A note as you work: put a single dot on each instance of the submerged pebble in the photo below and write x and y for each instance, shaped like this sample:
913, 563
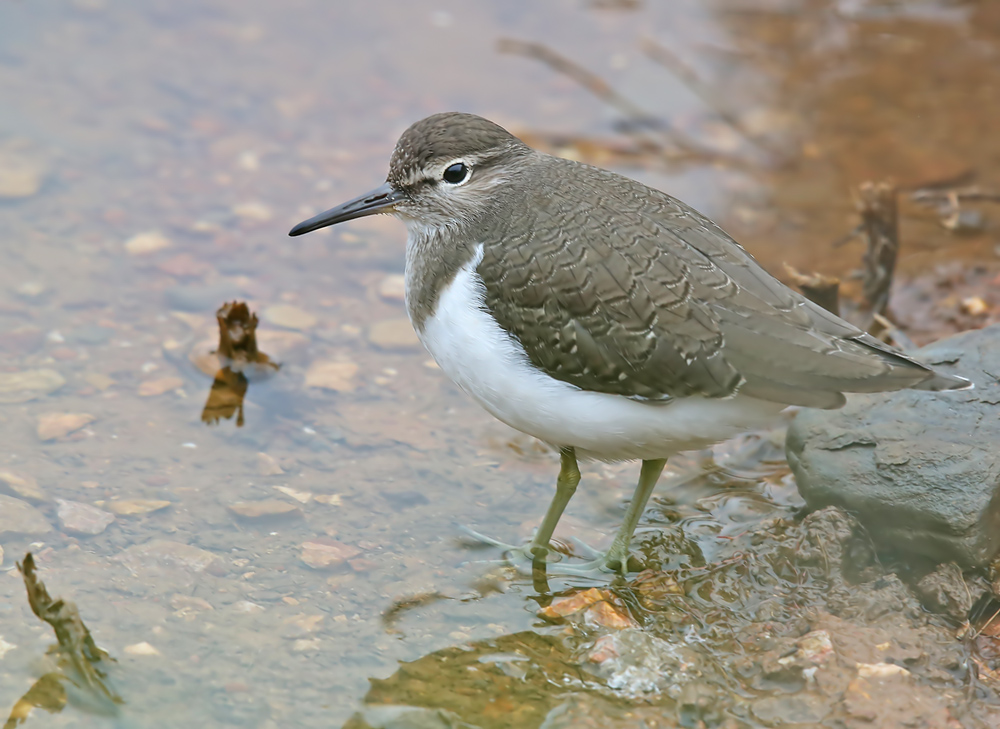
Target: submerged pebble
135, 507
58, 425
28, 384
20, 517
322, 553
263, 509
24, 486
76, 517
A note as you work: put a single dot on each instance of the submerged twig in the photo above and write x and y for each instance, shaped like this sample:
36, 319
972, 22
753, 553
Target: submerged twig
80, 676
656, 131
895, 336
669, 60
75, 641
876, 203
947, 203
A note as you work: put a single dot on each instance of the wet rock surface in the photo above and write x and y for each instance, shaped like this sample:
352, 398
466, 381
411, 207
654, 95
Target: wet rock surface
920, 469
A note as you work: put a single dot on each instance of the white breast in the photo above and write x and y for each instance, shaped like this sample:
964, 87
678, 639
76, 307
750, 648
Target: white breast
490, 365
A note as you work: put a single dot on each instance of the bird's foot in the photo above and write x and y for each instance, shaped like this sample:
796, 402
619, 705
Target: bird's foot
556, 560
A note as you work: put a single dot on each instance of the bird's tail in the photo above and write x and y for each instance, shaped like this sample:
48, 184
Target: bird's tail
942, 381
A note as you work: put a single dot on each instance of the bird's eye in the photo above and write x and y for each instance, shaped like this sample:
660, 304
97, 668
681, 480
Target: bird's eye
456, 174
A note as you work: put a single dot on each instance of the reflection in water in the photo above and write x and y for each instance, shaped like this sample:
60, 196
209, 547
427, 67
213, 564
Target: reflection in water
749, 617
79, 674
241, 363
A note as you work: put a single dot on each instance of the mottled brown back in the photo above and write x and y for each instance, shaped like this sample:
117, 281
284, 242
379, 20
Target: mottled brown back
615, 287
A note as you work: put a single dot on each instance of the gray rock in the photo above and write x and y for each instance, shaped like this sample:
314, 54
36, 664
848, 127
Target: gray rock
944, 591
20, 517
78, 518
921, 470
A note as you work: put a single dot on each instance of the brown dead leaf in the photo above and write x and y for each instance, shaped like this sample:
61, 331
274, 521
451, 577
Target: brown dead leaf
573, 604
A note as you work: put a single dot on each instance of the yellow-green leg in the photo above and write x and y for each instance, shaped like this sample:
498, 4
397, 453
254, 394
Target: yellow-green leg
569, 479
534, 554
617, 556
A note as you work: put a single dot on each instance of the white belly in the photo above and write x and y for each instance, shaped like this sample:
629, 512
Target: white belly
490, 365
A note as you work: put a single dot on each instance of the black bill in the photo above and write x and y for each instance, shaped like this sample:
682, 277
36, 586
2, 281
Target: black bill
379, 200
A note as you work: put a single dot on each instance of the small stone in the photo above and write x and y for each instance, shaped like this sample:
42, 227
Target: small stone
336, 376
305, 623
393, 287
4, 647
944, 591
328, 499
289, 317
20, 517
393, 334
304, 645
134, 507
166, 553
141, 649
815, 647
28, 384
190, 603
151, 388
605, 615
324, 553
24, 486
975, 306
245, 606
880, 670
263, 509
268, 465
58, 425
145, 243
75, 517
303, 497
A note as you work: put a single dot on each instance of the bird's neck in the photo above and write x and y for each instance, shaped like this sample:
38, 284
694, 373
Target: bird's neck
433, 257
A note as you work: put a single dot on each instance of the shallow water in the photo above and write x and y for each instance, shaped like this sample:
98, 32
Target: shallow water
152, 158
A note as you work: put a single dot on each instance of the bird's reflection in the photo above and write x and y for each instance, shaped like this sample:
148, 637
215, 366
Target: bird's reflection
241, 363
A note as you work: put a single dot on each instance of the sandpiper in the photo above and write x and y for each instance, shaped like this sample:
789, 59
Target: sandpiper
600, 315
